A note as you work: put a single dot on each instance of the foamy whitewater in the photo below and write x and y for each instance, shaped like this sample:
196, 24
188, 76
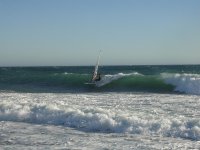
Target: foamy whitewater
45, 108
99, 121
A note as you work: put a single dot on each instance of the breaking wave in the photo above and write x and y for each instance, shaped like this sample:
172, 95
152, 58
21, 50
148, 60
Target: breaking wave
165, 82
109, 78
187, 83
99, 120
135, 81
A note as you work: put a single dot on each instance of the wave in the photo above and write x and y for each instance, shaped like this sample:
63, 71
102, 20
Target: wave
109, 78
99, 120
135, 81
187, 83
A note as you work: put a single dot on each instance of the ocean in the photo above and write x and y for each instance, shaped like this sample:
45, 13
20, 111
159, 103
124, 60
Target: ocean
132, 107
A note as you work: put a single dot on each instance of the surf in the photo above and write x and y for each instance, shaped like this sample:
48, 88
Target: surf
115, 79
66, 110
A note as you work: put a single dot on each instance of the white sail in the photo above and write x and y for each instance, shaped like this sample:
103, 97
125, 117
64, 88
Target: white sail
96, 68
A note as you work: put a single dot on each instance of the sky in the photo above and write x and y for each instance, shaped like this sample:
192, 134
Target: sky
71, 32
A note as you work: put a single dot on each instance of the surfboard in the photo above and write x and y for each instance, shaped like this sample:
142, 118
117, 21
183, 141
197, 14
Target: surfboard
90, 83
95, 71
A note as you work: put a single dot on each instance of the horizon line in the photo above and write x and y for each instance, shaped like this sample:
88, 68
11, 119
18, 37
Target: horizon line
100, 65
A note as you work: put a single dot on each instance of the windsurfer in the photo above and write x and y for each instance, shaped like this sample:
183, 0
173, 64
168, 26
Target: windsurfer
98, 77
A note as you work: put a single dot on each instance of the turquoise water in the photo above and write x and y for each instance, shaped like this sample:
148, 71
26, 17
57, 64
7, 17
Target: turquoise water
132, 107
161, 79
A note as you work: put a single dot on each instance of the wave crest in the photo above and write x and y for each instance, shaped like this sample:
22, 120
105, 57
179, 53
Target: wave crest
125, 82
187, 83
109, 78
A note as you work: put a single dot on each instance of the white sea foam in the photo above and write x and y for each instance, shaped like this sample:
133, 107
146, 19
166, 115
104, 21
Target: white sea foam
67, 73
106, 79
97, 119
187, 83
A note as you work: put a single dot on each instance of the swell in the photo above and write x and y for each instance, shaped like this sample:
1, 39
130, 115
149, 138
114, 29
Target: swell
40, 78
161, 83
135, 82
75, 81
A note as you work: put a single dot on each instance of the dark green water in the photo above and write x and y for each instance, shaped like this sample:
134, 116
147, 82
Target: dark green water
160, 79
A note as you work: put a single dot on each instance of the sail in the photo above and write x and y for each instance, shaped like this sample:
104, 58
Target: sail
96, 68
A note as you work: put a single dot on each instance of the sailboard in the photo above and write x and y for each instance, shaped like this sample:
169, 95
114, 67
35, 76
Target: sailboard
95, 73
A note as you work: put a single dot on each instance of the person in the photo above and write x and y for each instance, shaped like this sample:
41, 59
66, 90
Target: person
98, 78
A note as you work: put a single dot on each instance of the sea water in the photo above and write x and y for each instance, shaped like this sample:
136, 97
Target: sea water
132, 107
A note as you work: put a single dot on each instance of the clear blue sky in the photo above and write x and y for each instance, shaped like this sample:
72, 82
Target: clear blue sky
71, 32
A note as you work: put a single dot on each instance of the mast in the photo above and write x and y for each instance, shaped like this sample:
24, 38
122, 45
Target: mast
96, 67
